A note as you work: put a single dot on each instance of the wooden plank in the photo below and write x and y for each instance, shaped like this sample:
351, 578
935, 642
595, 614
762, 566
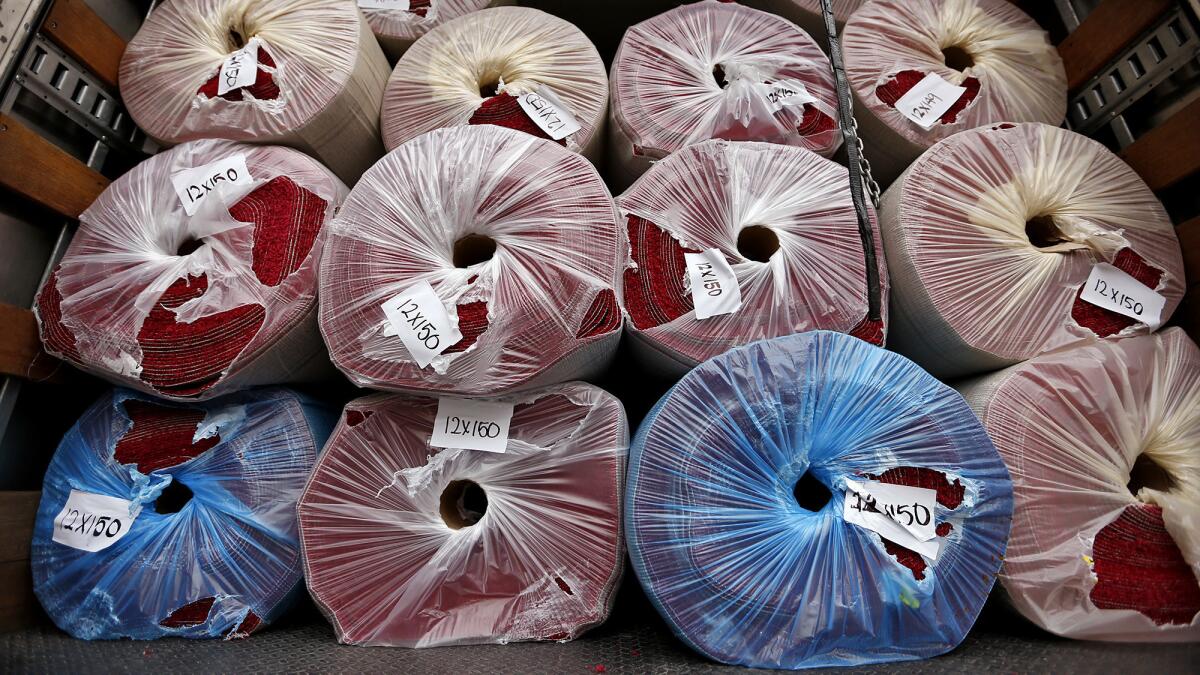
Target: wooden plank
17, 512
75, 28
37, 169
1169, 152
1104, 34
18, 605
21, 353
1189, 241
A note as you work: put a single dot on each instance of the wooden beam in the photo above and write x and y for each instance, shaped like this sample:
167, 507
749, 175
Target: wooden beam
17, 512
18, 605
40, 171
75, 28
1104, 34
1169, 152
21, 353
1189, 241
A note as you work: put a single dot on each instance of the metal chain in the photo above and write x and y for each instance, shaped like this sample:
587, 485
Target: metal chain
868, 179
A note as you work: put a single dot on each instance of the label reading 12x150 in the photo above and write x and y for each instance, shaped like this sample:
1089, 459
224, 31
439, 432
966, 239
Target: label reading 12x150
92, 522
420, 319
549, 113
714, 285
1111, 288
898, 513
240, 69
473, 425
196, 184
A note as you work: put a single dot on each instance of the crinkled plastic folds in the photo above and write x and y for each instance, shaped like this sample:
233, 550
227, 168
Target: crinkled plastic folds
807, 13
890, 45
667, 86
744, 574
237, 309
542, 309
1081, 430
441, 81
973, 291
542, 560
397, 29
225, 564
714, 194
319, 85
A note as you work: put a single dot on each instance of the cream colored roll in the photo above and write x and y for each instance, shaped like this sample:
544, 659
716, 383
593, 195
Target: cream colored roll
398, 24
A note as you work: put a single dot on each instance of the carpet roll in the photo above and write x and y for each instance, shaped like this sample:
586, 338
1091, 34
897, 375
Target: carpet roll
318, 77
717, 70
161, 520
1101, 443
749, 507
782, 219
807, 13
474, 260
993, 234
513, 67
193, 305
415, 545
397, 27
1001, 59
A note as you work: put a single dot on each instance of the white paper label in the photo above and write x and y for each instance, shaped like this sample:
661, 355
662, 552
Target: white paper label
549, 113
1113, 289
788, 93
92, 522
397, 5
419, 318
714, 285
473, 425
193, 185
239, 70
898, 513
926, 102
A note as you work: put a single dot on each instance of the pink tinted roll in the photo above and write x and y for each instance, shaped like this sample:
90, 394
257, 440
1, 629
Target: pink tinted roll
397, 29
807, 13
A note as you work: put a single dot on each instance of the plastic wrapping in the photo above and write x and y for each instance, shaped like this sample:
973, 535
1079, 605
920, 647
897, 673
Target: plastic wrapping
717, 70
782, 216
410, 545
472, 70
724, 518
318, 87
1002, 57
397, 29
1101, 442
992, 233
195, 306
807, 13
517, 237
212, 548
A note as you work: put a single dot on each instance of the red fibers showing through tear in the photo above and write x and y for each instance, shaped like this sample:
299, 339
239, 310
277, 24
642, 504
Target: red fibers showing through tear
943, 529
161, 436
870, 331
1105, 322
654, 292
420, 7
287, 219
949, 495
54, 334
248, 625
192, 614
603, 317
503, 110
472, 322
263, 89
1138, 566
357, 417
889, 92
814, 122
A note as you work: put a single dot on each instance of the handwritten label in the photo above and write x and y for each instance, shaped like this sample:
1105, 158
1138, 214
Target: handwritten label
419, 318
397, 5
898, 513
239, 69
193, 185
473, 425
1112, 289
926, 102
549, 113
788, 93
714, 285
92, 522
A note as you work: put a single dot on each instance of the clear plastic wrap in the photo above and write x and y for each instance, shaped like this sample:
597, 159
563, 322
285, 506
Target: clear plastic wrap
991, 234
784, 219
517, 237
472, 70
725, 522
1011, 72
410, 545
807, 13
319, 78
200, 537
397, 29
191, 307
717, 70
1101, 442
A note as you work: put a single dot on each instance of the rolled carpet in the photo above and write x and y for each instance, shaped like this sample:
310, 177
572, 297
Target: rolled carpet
807, 13
161, 520
1101, 443
1000, 58
190, 306
408, 544
318, 77
474, 260
398, 25
513, 67
783, 220
749, 488
992, 235
717, 70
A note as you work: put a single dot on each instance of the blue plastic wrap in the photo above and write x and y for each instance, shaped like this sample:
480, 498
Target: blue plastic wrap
744, 574
224, 563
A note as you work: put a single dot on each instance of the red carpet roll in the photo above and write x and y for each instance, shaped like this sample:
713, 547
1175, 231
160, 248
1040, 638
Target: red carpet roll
192, 306
807, 13
408, 544
783, 220
474, 260
397, 29
1101, 444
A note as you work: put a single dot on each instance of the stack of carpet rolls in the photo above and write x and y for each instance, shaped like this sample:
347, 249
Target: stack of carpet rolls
398, 24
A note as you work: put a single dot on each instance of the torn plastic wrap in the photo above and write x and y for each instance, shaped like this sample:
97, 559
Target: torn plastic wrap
160, 520
318, 81
194, 306
407, 544
398, 25
717, 70
783, 220
498, 253
501, 66
1001, 58
992, 235
807, 13
738, 502
1101, 442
